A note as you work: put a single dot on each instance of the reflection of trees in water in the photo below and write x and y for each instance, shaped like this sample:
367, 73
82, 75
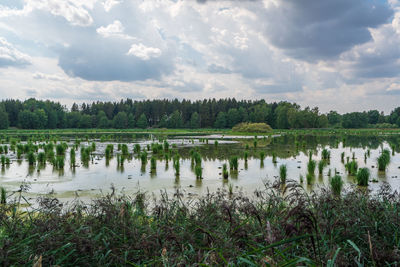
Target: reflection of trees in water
288, 146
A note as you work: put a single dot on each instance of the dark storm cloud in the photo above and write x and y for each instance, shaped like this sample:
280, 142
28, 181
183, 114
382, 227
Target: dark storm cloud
315, 29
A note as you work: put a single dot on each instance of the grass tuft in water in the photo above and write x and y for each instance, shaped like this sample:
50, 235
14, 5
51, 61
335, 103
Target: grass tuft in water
336, 184
283, 173
362, 177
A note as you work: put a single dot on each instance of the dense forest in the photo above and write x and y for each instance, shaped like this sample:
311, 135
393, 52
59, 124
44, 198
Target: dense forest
207, 113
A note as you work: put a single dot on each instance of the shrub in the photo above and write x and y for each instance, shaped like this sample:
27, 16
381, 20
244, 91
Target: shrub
252, 127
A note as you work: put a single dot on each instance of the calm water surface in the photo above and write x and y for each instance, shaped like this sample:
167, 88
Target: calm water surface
99, 176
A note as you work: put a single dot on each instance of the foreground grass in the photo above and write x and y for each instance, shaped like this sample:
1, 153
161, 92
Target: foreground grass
268, 229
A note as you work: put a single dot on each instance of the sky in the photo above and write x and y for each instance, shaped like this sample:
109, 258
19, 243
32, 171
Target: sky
339, 55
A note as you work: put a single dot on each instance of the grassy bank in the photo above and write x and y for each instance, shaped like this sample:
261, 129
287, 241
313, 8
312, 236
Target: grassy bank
267, 229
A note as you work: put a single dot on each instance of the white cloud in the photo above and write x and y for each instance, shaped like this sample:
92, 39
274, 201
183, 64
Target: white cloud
109, 4
10, 56
75, 12
143, 52
50, 77
116, 29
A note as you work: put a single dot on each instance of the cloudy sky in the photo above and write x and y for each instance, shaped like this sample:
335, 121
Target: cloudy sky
334, 54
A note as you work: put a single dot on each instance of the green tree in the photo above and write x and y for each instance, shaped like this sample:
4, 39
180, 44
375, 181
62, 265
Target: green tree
232, 117
163, 122
334, 118
281, 116
373, 116
323, 121
120, 120
85, 122
220, 122
27, 119
175, 121
4, 123
142, 122
103, 123
195, 121
40, 121
131, 121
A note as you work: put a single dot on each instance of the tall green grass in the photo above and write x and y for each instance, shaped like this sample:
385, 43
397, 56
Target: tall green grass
384, 160
362, 177
233, 163
311, 166
283, 173
336, 184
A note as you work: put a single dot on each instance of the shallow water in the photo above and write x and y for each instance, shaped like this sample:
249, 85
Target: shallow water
99, 176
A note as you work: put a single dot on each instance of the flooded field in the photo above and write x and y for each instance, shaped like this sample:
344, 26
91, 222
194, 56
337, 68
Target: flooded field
192, 163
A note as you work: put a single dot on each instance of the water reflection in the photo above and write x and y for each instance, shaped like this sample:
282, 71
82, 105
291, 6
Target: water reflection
255, 163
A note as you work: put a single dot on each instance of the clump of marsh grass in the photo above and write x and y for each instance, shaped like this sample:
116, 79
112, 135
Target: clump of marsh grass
136, 148
311, 166
59, 162
362, 177
124, 150
153, 164
384, 160
72, 157
31, 158
177, 165
41, 158
274, 161
352, 167
3, 160
233, 163
198, 171
321, 166
325, 154
143, 157
225, 173
310, 178
336, 184
283, 173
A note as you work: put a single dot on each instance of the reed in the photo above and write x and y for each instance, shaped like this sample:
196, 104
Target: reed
311, 166
283, 173
233, 163
336, 184
362, 177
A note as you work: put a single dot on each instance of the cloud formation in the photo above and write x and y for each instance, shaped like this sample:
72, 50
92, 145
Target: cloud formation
314, 30
11, 57
312, 52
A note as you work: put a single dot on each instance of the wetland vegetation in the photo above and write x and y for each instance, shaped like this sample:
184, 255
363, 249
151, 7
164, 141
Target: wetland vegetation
250, 195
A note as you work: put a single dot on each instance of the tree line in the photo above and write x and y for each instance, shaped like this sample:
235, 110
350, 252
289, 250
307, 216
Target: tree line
207, 113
